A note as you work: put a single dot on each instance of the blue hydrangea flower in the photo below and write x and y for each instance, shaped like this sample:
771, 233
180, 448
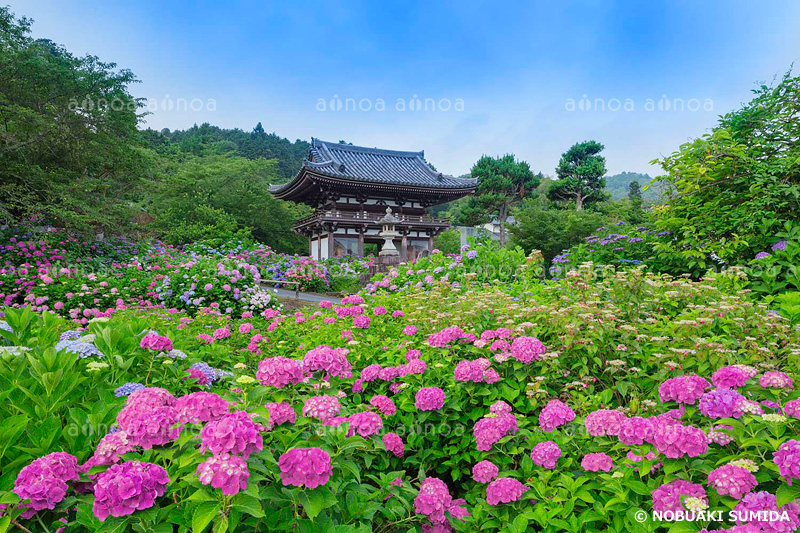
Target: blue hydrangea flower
70, 335
80, 348
127, 389
176, 354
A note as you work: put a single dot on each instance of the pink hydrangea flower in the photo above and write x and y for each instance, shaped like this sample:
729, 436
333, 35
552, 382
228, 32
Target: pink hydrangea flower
444, 337
371, 373
792, 408
279, 371
504, 490
667, 497
224, 471
412, 354
384, 404
787, 458
683, 389
394, 444
332, 361
732, 480
222, 333
429, 399
723, 438
604, 422
234, 433
155, 342
410, 330
730, 377
546, 454
109, 450
676, 440
44, 481
484, 472
468, 371
489, 430
636, 431
361, 322
556, 413
500, 408
490, 376
389, 373
775, 380
280, 413
415, 366
594, 462
155, 427
201, 407
321, 407
365, 423
433, 500
305, 467
527, 349
143, 401
721, 403
128, 487
755, 502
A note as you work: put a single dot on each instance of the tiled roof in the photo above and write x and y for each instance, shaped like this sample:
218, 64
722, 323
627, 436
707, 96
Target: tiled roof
375, 165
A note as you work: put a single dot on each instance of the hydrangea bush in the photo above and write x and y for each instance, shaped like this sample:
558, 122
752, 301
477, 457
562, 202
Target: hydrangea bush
459, 405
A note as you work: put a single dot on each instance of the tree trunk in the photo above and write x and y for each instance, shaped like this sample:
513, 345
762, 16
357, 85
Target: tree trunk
578, 202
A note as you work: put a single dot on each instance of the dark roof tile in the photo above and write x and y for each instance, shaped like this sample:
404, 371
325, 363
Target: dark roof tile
376, 165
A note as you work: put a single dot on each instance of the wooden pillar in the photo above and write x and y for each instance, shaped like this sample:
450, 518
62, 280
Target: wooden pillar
404, 247
330, 242
361, 242
310, 247
430, 241
319, 245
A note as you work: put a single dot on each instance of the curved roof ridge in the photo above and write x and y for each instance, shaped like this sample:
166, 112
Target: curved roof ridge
361, 165
365, 149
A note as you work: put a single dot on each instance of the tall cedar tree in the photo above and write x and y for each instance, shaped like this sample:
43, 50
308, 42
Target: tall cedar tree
502, 182
580, 175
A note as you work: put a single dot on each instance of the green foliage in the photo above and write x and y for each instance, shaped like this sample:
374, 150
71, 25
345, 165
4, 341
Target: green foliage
68, 128
448, 242
619, 184
206, 139
580, 174
552, 230
609, 344
502, 183
730, 190
216, 196
776, 270
72, 156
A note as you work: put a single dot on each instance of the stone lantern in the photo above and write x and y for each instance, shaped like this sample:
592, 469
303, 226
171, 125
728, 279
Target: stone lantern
388, 234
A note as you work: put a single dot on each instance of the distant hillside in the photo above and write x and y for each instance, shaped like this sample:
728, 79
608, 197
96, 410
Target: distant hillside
617, 185
207, 140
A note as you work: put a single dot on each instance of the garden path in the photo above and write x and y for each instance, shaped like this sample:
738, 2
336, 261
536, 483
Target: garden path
284, 294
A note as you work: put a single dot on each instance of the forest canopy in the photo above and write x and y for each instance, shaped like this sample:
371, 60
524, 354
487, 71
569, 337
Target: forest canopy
73, 155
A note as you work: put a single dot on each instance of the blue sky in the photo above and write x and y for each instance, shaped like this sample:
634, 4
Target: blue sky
514, 66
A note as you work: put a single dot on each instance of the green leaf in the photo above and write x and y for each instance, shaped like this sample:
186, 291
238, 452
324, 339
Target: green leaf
203, 516
201, 496
317, 500
11, 428
786, 494
638, 487
520, 524
248, 504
